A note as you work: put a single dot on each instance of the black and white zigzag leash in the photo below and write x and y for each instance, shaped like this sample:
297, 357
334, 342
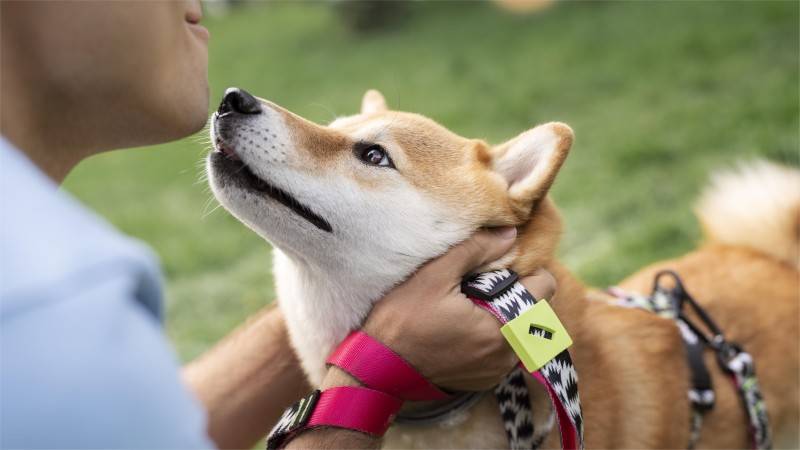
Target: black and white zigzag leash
506, 298
668, 303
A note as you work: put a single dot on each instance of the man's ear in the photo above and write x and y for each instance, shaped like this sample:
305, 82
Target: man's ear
530, 161
373, 102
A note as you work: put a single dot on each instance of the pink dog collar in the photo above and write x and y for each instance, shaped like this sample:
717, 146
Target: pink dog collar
355, 408
380, 368
348, 407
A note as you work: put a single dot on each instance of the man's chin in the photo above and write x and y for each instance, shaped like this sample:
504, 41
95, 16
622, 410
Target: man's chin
197, 113
189, 113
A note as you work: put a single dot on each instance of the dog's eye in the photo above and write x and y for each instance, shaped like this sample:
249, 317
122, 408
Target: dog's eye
375, 155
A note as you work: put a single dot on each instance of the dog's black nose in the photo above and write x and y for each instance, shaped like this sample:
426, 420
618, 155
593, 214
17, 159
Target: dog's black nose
240, 101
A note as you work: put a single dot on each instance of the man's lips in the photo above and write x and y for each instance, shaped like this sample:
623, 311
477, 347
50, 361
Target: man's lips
193, 18
199, 30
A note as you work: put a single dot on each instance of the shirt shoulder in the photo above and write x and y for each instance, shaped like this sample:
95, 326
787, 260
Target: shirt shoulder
52, 245
94, 371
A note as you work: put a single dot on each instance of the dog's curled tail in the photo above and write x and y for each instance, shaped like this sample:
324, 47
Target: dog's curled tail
756, 206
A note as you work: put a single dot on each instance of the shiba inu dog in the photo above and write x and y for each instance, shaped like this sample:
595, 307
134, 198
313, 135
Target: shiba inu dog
355, 207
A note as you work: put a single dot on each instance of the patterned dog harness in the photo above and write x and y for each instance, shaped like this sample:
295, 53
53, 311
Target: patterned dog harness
669, 303
530, 324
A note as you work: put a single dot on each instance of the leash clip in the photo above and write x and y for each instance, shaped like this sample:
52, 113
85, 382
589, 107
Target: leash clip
727, 353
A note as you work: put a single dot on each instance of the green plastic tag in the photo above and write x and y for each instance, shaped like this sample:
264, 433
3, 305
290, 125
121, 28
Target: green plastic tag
537, 336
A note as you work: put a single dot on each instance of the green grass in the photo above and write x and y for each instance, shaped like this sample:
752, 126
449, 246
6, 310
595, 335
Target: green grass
658, 94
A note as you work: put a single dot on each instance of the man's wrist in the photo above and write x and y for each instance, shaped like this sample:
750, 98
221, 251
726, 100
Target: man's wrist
382, 332
392, 338
338, 377
380, 368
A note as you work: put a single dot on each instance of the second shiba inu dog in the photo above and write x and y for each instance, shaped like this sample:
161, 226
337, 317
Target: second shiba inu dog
355, 207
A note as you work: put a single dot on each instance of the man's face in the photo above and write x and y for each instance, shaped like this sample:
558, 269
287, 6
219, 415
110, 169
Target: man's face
137, 68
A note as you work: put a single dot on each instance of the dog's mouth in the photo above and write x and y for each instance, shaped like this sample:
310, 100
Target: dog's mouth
238, 171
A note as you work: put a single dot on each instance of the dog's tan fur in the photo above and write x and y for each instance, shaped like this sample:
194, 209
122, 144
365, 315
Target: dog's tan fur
633, 373
632, 367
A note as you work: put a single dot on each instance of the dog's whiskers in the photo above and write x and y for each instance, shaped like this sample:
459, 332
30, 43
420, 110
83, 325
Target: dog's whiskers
327, 109
204, 216
202, 174
209, 202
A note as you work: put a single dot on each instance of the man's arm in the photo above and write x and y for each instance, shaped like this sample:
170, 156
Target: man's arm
247, 380
321, 438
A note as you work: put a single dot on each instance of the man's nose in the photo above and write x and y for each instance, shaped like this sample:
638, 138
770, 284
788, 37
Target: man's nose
240, 101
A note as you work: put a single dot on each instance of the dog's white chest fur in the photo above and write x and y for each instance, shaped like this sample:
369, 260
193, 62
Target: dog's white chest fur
321, 308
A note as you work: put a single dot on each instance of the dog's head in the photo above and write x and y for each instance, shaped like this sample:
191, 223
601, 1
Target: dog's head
381, 192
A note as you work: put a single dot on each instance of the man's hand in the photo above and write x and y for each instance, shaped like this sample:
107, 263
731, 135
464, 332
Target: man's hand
429, 322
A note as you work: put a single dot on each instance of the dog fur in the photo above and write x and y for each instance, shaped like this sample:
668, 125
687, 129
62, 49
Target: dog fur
387, 222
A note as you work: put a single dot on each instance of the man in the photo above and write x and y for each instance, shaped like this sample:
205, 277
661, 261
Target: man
84, 359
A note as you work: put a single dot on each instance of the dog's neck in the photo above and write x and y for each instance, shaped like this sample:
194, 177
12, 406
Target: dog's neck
321, 307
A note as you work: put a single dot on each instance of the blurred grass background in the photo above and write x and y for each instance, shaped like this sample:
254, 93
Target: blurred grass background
658, 93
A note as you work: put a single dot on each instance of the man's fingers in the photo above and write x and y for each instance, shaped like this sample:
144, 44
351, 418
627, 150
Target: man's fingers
482, 247
541, 284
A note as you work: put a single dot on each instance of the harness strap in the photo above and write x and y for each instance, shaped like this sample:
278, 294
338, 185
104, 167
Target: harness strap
731, 358
739, 364
501, 293
669, 303
701, 391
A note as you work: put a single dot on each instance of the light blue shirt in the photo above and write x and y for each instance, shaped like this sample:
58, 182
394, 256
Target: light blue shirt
84, 362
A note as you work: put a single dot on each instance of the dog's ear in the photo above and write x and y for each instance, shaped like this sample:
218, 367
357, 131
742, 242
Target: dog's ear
530, 161
373, 102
